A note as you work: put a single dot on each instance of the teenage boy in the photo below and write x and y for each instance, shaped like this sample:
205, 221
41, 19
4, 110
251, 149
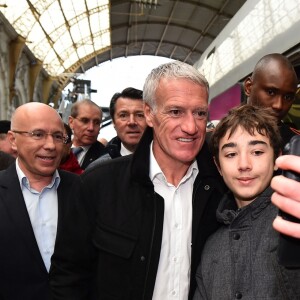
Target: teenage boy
239, 261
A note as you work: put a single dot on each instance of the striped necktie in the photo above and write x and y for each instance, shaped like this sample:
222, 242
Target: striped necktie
77, 150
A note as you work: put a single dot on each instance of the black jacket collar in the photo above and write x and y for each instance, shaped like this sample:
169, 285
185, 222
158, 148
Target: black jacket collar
141, 159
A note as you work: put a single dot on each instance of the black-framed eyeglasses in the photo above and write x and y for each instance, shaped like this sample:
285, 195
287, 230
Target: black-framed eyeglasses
39, 135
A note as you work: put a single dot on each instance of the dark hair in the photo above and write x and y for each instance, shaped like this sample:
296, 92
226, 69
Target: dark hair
69, 133
273, 57
251, 118
5, 160
4, 126
130, 92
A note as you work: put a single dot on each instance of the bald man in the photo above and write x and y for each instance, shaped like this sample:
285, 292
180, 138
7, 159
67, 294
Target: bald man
34, 201
273, 83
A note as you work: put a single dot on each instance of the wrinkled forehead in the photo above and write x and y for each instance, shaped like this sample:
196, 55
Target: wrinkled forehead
89, 111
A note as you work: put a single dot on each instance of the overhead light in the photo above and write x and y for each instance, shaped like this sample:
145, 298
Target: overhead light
147, 3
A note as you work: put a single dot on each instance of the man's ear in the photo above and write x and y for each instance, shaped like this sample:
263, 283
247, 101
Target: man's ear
217, 165
12, 140
148, 112
248, 86
71, 122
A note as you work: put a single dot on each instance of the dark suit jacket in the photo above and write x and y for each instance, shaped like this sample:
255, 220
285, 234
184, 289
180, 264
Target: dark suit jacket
23, 275
127, 219
96, 150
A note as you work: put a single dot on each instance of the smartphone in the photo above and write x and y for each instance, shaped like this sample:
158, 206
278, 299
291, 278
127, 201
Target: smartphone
289, 248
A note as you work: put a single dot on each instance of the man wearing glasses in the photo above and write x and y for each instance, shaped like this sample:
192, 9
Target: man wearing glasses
35, 200
85, 121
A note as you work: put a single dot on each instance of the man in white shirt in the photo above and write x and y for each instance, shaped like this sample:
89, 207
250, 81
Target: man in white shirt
127, 112
33, 195
152, 211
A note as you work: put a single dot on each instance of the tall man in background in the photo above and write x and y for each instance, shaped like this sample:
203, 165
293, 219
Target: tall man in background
273, 83
85, 121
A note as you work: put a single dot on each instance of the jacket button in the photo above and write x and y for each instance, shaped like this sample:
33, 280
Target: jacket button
207, 187
236, 236
143, 258
238, 295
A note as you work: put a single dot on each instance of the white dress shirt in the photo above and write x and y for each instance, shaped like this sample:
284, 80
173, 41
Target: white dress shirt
124, 151
174, 268
42, 209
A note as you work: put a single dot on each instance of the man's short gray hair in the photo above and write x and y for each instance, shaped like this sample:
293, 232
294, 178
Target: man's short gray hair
172, 70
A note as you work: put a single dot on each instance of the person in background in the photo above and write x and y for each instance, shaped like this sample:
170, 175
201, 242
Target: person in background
5, 145
85, 121
35, 201
286, 195
5, 160
69, 161
152, 211
103, 140
239, 261
273, 83
126, 111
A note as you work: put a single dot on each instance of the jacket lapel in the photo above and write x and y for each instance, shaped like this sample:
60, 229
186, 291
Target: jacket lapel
12, 198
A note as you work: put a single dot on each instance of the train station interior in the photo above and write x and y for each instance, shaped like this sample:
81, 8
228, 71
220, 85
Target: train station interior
46, 44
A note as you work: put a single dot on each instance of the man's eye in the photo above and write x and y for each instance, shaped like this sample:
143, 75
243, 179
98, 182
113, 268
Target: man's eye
58, 136
201, 114
271, 92
140, 116
123, 115
38, 134
96, 122
289, 97
175, 112
85, 120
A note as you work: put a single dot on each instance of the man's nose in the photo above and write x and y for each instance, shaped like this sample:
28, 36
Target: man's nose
189, 124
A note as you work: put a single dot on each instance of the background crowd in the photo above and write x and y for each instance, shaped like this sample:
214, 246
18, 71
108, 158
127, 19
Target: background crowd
146, 215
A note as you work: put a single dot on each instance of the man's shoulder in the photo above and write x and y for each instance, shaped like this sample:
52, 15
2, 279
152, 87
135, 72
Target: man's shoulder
97, 145
287, 132
295, 131
109, 167
68, 177
8, 173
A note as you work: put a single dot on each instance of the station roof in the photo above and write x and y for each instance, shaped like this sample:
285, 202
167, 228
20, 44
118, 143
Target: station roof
72, 36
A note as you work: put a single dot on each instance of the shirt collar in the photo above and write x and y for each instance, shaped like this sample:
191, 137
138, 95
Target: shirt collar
25, 182
124, 151
155, 169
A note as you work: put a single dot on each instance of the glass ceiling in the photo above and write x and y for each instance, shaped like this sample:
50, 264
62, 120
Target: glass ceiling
61, 32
